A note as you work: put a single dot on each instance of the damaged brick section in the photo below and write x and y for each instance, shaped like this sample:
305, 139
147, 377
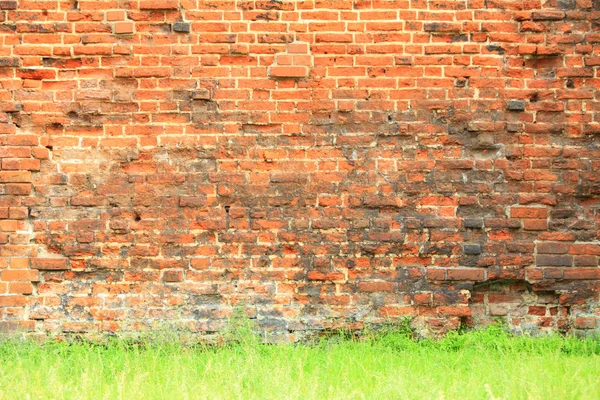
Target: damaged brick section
321, 164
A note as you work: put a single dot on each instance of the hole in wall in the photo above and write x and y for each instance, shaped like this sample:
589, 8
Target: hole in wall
570, 84
534, 98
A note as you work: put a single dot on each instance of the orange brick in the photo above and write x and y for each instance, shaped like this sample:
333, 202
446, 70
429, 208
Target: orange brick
19, 275
159, 4
15, 176
124, 28
20, 288
288, 72
13, 301
284, 59
52, 264
19, 263
302, 60
115, 15
298, 48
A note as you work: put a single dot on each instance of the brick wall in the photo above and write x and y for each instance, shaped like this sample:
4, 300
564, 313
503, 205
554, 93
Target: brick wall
323, 164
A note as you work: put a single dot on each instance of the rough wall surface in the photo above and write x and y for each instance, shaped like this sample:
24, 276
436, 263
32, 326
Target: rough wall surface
323, 164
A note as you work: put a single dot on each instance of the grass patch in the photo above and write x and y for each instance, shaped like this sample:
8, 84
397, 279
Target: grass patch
484, 364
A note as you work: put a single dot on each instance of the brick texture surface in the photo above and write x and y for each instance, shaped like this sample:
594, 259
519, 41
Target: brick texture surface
322, 164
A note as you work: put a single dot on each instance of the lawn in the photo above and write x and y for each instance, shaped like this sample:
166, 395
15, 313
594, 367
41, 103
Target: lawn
487, 364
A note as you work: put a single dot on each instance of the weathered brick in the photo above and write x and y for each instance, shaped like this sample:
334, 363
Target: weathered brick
182, 27
10, 62
586, 322
516, 105
551, 248
173, 276
472, 249
51, 264
528, 212
201, 94
466, 274
422, 298
326, 276
547, 15
376, 286
554, 260
582, 273
535, 225
441, 27
8, 5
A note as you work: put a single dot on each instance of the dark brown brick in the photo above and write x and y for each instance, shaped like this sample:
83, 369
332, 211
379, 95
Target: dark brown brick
554, 260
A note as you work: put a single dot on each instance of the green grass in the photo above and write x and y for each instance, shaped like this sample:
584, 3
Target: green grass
481, 364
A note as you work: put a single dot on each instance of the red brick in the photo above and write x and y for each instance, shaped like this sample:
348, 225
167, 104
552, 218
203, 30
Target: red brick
326, 276
586, 323
460, 311
376, 286
582, 261
537, 310
529, 212
535, 225
436, 274
465, 274
547, 15
582, 273
422, 298
585, 248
